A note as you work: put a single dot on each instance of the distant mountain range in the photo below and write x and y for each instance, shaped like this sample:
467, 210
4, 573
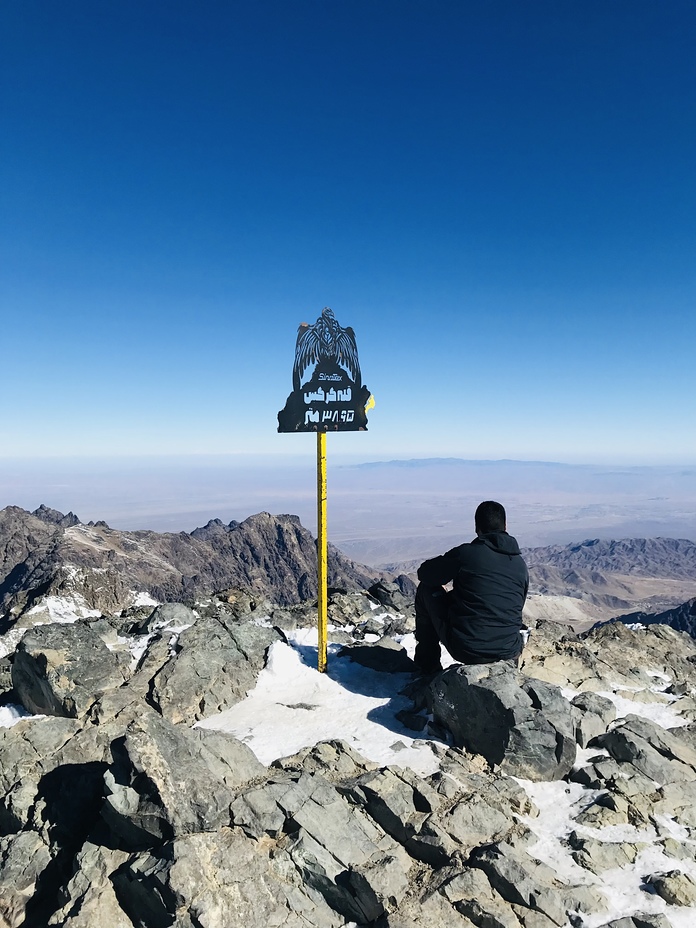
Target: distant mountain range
47, 557
48, 554
643, 557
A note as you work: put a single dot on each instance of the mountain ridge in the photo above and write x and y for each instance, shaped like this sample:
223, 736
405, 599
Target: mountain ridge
45, 553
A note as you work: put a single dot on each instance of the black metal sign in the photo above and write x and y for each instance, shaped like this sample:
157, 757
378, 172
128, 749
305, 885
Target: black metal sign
327, 390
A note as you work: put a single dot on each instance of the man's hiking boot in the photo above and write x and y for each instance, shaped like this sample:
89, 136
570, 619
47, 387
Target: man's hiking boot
427, 668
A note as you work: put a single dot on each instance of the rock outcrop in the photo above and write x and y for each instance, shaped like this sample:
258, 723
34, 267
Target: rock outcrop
682, 618
520, 724
47, 559
116, 810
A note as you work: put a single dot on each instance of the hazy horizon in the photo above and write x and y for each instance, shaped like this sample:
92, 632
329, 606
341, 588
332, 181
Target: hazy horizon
379, 511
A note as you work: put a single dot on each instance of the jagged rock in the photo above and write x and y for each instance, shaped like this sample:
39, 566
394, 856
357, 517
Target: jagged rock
89, 898
174, 614
334, 759
675, 887
521, 724
166, 781
471, 893
219, 878
5, 678
28, 752
675, 799
51, 787
593, 715
62, 669
397, 596
23, 858
651, 921
53, 516
502, 792
533, 919
682, 618
655, 752
429, 907
521, 880
398, 800
338, 849
598, 856
348, 608
213, 666
678, 849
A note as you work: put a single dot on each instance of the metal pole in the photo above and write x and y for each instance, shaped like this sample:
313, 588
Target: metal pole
322, 549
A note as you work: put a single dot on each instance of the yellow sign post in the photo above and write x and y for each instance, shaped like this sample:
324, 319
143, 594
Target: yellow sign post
322, 550
328, 395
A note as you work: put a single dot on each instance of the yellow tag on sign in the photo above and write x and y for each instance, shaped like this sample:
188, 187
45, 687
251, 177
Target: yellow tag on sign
370, 404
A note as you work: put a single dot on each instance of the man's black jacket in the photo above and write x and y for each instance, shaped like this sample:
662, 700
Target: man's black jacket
489, 590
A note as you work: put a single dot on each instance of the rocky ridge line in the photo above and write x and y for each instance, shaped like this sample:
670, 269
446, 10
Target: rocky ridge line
46, 554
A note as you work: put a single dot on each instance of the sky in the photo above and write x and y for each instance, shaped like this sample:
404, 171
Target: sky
499, 198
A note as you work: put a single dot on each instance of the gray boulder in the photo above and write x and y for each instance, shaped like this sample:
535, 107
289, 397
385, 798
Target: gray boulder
172, 614
593, 714
89, 898
335, 846
675, 887
471, 894
220, 878
23, 859
212, 667
166, 781
334, 759
659, 754
521, 724
63, 669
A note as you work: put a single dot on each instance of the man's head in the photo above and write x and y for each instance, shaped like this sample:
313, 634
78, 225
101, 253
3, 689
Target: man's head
489, 517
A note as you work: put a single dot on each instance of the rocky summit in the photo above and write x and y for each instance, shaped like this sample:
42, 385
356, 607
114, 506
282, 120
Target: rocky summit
52, 563
560, 793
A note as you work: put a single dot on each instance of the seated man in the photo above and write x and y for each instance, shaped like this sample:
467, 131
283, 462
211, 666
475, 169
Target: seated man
480, 620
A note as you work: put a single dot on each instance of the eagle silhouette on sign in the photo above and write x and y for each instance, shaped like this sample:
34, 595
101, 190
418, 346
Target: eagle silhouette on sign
326, 340
328, 394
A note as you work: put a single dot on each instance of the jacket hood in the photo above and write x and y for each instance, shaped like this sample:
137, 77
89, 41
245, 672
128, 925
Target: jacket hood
499, 541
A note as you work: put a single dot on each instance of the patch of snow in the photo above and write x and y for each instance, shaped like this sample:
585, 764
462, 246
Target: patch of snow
10, 640
670, 825
144, 599
64, 609
666, 716
558, 803
659, 675
137, 645
11, 714
293, 706
626, 893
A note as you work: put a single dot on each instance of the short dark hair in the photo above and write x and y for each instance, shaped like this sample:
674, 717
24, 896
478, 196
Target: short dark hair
490, 517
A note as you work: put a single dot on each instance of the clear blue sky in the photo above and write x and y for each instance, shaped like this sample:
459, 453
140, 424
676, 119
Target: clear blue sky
499, 197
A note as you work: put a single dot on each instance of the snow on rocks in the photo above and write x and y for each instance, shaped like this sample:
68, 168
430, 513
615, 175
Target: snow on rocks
218, 779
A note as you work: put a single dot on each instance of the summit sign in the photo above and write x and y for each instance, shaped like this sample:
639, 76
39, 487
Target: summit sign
328, 394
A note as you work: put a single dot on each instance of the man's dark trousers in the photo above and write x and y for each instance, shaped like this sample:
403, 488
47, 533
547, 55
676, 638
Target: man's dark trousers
433, 628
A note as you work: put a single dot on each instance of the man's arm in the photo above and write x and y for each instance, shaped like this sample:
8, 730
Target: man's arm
439, 570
